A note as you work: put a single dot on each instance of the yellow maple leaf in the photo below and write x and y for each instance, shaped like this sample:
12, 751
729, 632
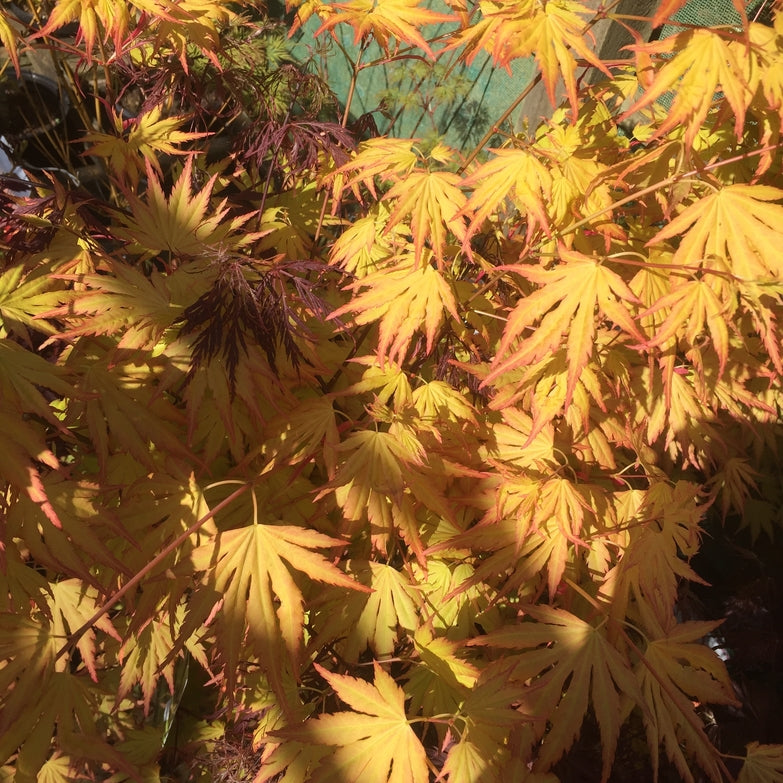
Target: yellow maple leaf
692, 307
137, 142
98, 19
375, 619
389, 159
251, 568
186, 223
187, 23
72, 603
703, 61
552, 32
364, 243
373, 742
405, 297
517, 175
9, 39
676, 670
565, 304
763, 764
569, 665
431, 201
384, 19
662, 526
738, 223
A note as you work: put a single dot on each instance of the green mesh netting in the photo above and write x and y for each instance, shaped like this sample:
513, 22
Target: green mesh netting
412, 97
714, 13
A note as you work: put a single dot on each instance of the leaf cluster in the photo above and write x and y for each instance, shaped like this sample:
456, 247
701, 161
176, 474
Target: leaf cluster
390, 457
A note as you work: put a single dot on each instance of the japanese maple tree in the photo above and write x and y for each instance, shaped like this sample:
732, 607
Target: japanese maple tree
372, 458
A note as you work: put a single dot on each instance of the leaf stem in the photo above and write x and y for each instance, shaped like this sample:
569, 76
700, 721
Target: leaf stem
76, 635
495, 127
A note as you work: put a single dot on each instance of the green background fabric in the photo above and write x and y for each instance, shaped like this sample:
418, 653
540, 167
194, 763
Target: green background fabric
416, 98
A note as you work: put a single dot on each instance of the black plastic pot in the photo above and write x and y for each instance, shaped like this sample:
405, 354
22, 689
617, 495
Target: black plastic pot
30, 105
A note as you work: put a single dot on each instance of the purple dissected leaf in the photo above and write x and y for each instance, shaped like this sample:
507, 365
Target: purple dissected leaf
244, 305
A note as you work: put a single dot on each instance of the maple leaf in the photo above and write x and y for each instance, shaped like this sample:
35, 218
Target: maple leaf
433, 200
440, 682
147, 135
530, 528
516, 174
763, 764
64, 538
39, 702
388, 383
122, 412
251, 568
405, 298
565, 304
665, 10
387, 158
461, 603
72, 604
149, 654
364, 243
310, 428
25, 299
139, 307
188, 23
374, 742
572, 665
673, 671
104, 18
384, 19
9, 38
737, 223
693, 306
550, 32
663, 529
438, 401
185, 223
703, 62
371, 619
467, 762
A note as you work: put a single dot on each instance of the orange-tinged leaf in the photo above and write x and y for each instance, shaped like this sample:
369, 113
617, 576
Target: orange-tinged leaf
385, 19
738, 223
703, 62
405, 297
432, 200
251, 568
691, 307
666, 9
512, 174
572, 665
390, 159
97, 18
148, 135
552, 32
663, 530
374, 743
564, 306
